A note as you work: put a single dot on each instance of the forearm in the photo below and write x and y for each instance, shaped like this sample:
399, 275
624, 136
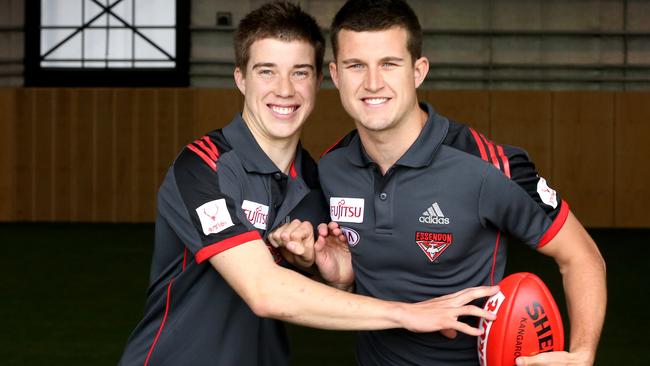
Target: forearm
293, 298
586, 295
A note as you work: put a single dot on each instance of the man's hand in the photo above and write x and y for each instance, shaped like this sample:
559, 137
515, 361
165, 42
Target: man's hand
442, 313
296, 242
557, 359
332, 256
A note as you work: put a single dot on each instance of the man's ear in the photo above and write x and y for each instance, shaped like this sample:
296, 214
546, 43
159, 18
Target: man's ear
240, 80
420, 70
334, 74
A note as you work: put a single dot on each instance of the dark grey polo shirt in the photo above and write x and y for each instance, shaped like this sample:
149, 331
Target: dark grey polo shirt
221, 191
432, 226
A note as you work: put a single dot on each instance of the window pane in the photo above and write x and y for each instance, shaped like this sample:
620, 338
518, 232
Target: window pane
149, 64
163, 38
119, 44
61, 12
70, 49
94, 44
62, 64
91, 10
155, 12
124, 10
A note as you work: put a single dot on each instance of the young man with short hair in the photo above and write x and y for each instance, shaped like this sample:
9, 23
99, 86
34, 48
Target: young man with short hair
217, 292
425, 200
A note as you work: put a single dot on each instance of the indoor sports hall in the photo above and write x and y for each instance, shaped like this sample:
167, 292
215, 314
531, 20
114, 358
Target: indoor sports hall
97, 97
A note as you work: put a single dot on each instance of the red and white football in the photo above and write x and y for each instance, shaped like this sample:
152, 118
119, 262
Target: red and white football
528, 322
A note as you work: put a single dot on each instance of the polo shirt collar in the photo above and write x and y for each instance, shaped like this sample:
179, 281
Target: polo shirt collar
421, 153
254, 159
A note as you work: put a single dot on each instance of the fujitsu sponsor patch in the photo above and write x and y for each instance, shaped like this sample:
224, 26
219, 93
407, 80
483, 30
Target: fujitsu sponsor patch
256, 213
214, 216
343, 209
433, 244
547, 194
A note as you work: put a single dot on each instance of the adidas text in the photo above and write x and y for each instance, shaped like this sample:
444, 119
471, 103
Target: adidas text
434, 220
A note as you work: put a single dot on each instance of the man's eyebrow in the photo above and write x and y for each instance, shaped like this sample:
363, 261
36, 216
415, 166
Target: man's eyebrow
263, 64
392, 58
304, 66
352, 61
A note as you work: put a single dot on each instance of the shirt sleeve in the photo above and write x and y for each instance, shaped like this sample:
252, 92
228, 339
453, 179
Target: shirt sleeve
193, 202
508, 206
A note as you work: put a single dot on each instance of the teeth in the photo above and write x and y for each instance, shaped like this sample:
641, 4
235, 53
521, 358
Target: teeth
283, 110
375, 101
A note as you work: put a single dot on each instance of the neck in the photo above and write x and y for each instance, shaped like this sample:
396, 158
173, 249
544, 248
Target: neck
281, 151
385, 147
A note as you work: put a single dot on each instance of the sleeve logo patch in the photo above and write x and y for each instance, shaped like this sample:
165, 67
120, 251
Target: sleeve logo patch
547, 194
214, 216
256, 213
346, 209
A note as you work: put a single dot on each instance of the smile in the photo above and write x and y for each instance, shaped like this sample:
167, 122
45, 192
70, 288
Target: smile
375, 101
283, 110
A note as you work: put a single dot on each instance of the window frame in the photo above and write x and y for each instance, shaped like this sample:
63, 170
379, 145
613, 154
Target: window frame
36, 76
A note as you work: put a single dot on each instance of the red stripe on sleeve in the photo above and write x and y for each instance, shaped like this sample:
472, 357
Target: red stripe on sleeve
202, 155
162, 324
206, 149
556, 226
479, 143
504, 159
494, 258
221, 246
212, 146
493, 155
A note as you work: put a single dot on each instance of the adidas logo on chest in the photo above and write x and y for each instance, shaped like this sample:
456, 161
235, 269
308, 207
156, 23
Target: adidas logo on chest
434, 215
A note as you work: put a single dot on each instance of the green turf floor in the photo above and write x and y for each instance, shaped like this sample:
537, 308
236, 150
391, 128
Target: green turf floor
71, 294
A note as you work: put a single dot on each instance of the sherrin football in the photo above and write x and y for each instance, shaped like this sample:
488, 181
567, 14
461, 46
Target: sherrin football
528, 322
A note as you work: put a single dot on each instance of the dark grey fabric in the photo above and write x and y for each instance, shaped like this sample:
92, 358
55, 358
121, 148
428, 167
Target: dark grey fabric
191, 313
429, 228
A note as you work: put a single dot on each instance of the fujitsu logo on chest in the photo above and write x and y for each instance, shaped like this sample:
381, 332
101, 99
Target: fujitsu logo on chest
256, 213
344, 209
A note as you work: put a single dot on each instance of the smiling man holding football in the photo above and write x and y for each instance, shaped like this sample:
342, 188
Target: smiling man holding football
427, 199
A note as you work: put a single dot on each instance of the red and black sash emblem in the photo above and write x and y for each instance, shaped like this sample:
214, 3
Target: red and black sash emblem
433, 244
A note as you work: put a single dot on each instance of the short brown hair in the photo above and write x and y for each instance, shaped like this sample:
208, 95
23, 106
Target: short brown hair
280, 20
377, 15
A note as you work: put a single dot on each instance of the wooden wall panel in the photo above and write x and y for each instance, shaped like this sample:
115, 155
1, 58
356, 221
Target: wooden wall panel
7, 153
144, 149
43, 148
25, 155
100, 154
524, 118
166, 127
470, 107
102, 141
215, 108
124, 159
83, 156
327, 123
583, 154
632, 156
64, 107
186, 117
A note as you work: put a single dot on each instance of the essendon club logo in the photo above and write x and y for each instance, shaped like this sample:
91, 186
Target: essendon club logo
433, 244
